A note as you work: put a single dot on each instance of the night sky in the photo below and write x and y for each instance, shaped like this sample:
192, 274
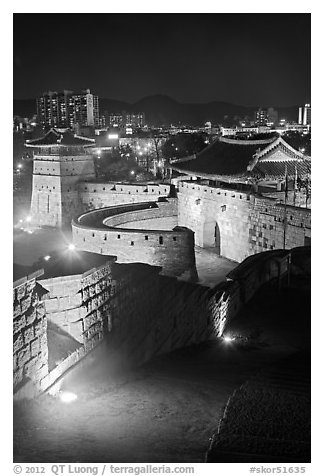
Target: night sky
248, 59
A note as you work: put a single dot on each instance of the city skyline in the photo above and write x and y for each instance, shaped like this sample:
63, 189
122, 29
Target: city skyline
245, 59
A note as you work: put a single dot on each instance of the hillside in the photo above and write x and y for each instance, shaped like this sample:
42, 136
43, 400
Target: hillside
160, 109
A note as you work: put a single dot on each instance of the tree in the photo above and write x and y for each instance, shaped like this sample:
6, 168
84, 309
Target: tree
117, 166
184, 145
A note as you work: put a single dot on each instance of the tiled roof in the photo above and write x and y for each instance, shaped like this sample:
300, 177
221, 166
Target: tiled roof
224, 157
235, 160
276, 169
53, 137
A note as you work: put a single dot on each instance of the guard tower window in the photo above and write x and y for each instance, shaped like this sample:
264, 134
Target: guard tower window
161, 240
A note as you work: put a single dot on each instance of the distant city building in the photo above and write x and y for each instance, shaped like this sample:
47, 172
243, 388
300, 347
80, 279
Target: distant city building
233, 131
272, 116
304, 115
127, 119
65, 109
261, 117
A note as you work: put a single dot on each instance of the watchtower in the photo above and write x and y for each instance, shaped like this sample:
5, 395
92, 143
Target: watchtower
61, 160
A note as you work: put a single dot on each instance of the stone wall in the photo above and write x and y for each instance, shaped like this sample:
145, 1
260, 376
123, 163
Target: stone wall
100, 195
239, 224
55, 198
172, 250
121, 304
30, 353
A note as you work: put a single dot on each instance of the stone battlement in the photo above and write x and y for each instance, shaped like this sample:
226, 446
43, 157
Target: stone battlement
238, 223
97, 231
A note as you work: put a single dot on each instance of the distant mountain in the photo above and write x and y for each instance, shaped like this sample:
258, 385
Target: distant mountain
160, 109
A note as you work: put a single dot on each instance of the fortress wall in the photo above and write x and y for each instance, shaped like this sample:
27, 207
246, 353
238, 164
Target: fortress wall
30, 353
173, 250
122, 305
55, 198
164, 209
100, 195
247, 224
96, 291
63, 306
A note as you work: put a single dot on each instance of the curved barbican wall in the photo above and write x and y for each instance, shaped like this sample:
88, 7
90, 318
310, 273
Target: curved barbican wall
95, 195
97, 231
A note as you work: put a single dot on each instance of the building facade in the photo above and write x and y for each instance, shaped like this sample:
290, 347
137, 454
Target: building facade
125, 119
304, 115
66, 109
60, 161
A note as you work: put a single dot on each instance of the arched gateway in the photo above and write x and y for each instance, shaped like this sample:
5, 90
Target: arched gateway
211, 236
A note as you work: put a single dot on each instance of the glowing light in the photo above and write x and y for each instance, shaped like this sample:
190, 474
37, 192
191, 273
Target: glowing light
228, 339
141, 153
47, 257
132, 172
112, 136
71, 247
68, 397
28, 219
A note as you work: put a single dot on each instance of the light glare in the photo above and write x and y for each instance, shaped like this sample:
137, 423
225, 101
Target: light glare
68, 397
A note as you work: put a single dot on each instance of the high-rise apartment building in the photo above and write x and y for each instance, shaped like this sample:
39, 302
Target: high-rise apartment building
261, 117
127, 119
272, 116
304, 115
66, 109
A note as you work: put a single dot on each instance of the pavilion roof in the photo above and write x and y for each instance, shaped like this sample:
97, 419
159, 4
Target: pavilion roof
57, 138
237, 160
